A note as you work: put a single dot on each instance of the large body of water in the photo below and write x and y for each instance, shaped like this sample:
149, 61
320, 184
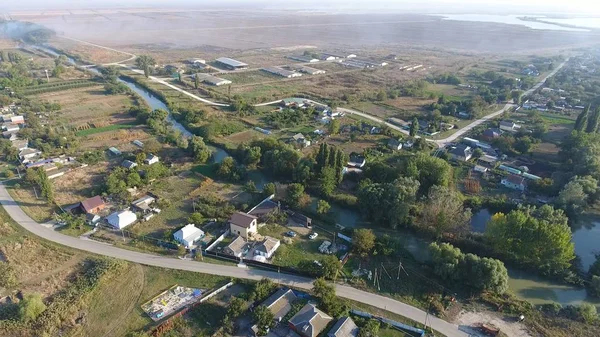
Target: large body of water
510, 20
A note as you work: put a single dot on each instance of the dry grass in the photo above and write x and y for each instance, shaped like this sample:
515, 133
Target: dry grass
89, 106
75, 185
88, 52
37, 209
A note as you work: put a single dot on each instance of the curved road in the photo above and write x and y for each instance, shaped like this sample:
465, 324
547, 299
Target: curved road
17, 214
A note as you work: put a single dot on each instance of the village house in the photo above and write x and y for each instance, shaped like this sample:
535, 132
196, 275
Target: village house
461, 152
514, 182
20, 144
267, 248
238, 247
300, 140
309, 321
11, 127
394, 144
128, 164
357, 160
242, 224
114, 151
188, 235
92, 205
121, 219
280, 303
151, 159
491, 134
143, 203
344, 327
27, 154
508, 126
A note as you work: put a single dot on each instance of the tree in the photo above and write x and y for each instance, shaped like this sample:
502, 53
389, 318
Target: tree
370, 329
481, 274
196, 81
588, 312
152, 146
269, 189
328, 300
334, 127
381, 95
264, 319
593, 121
539, 237
144, 62
327, 181
414, 127
331, 265
363, 241
431, 171
582, 120
31, 307
577, 194
134, 179
262, 289
387, 203
323, 207
200, 151
444, 212
516, 96
294, 195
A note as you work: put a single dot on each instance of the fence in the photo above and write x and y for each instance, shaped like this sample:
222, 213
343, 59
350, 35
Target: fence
395, 324
168, 324
217, 240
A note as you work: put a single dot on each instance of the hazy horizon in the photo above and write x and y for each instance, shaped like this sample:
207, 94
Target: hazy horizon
556, 7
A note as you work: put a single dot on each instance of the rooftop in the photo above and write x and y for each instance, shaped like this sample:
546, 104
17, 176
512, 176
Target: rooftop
189, 233
344, 327
91, 203
242, 219
237, 245
268, 245
231, 62
515, 179
310, 320
280, 303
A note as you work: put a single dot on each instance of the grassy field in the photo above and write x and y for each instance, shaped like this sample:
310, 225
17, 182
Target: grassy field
113, 127
38, 209
88, 106
247, 77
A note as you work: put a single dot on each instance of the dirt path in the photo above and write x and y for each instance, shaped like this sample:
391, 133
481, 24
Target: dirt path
468, 320
141, 279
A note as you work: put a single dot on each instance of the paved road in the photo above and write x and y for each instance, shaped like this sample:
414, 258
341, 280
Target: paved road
17, 214
462, 131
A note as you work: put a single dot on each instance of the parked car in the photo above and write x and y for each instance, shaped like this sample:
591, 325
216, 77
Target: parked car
291, 234
313, 236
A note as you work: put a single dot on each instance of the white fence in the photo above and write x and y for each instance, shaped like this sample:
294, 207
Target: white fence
219, 239
216, 292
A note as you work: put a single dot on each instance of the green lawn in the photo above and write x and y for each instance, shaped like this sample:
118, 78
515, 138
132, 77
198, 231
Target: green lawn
104, 129
557, 119
301, 249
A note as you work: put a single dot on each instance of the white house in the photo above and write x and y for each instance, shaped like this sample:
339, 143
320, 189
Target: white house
508, 125
267, 248
11, 127
29, 153
151, 159
242, 224
188, 235
514, 181
121, 219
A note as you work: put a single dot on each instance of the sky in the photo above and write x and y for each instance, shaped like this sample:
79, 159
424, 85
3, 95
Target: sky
583, 7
